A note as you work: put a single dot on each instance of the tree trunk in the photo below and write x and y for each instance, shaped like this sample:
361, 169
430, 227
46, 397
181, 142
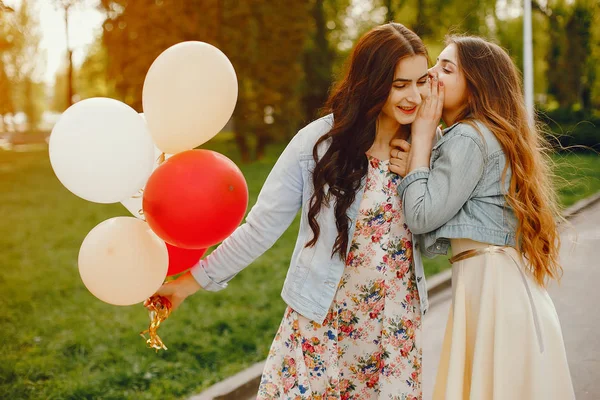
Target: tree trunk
263, 139
317, 65
242, 145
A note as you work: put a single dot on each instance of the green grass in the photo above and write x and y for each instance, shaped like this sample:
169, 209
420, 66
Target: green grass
577, 176
60, 342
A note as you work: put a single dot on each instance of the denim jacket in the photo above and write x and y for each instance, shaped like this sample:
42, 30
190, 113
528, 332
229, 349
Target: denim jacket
461, 194
313, 274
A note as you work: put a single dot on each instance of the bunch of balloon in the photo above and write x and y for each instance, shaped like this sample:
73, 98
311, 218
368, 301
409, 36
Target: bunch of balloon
183, 200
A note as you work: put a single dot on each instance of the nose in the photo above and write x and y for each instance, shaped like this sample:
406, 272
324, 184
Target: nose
415, 95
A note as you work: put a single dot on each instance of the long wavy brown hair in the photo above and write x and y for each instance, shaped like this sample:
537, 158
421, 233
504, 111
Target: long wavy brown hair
495, 98
356, 101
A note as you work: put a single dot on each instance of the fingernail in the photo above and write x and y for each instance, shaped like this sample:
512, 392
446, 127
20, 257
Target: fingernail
441, 83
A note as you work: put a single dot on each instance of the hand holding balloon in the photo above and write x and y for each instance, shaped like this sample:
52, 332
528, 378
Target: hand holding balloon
178, 290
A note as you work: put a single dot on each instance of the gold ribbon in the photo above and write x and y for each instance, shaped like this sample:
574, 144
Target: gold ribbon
159, 308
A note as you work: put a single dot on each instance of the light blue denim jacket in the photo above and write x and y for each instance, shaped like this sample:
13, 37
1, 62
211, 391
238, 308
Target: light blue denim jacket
460, 195
313, 275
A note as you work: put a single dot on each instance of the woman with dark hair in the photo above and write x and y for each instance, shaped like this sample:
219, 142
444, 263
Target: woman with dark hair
355, 288
485, 190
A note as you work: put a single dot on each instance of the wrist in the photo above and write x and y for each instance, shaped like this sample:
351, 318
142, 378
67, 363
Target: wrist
419, 141
189, 284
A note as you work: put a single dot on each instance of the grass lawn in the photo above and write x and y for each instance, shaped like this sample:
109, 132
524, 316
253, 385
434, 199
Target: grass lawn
60, 342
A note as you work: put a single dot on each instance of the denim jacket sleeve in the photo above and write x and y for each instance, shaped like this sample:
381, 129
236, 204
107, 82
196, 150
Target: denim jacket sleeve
432, 196
276, 207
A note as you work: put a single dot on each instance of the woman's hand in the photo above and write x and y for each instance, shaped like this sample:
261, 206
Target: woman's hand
430, 112
399, 156
178, 290
423, 130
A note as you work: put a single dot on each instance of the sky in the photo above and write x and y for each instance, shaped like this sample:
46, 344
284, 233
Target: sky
85, 24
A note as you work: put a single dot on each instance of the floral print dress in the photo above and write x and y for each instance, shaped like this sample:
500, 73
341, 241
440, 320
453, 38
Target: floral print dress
369, 346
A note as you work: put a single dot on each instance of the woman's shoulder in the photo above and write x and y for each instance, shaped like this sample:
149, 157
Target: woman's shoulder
308, 136
317, 128
476, 131
471, 128
461, 131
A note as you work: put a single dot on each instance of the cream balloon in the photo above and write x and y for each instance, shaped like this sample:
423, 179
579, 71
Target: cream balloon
189, 94
101, 150
122, 262
134, 203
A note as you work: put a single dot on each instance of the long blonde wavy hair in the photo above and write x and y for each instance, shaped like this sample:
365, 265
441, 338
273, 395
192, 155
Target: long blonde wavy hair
495, 98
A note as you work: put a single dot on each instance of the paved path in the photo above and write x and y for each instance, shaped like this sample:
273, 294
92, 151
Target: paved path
577, 300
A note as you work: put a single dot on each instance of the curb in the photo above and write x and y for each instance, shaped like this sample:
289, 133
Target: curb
241, 386
244, 385
581, 205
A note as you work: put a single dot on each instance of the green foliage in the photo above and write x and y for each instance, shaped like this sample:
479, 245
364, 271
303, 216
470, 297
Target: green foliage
317, 64
577, 29
91, 79
573, 131
263, 40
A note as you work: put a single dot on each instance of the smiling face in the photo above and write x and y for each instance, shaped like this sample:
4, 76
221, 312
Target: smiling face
409, 88
448, 71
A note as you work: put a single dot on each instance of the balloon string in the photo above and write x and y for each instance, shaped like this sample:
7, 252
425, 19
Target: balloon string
159, 308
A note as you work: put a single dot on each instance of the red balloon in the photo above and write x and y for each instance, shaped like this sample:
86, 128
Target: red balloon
182, 259
195, 199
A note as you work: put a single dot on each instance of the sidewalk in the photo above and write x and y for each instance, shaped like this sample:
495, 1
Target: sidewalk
576, 301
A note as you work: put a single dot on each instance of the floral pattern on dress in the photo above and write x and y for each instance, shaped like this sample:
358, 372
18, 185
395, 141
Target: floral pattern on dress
369, 345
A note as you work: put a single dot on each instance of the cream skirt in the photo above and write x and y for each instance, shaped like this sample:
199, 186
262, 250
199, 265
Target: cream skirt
503, 339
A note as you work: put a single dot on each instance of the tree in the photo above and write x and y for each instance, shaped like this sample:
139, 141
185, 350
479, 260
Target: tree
67, 6
91, 79
578, 34
59, 100
317, 63
6, 102
22, 62
135, 33
263, 40
5, 8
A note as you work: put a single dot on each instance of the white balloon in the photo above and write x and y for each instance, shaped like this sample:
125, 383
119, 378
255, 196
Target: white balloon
122, 262
101, 150
189, 94
134, 203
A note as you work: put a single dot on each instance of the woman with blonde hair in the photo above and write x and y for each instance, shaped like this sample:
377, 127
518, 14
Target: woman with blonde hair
484, 190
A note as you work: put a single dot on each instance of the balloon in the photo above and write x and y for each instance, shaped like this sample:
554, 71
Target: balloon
122, 262
101, 150
195, 199
134, 203
182, 259
189, 94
